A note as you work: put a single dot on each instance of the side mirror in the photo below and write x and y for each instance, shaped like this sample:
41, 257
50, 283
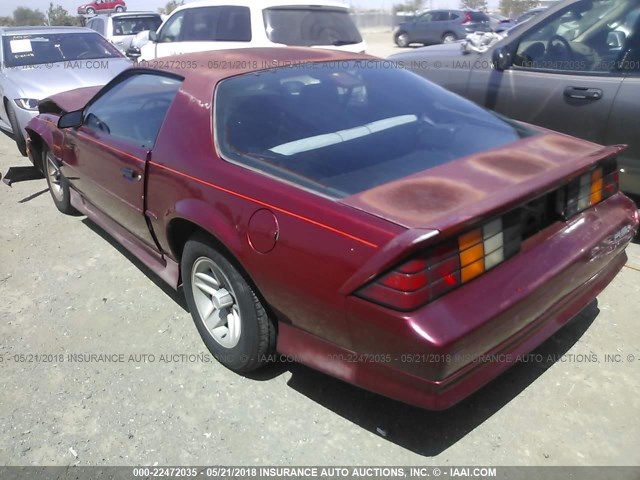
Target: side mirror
501, 59
133, 53
71, 120
153, 36
616, 40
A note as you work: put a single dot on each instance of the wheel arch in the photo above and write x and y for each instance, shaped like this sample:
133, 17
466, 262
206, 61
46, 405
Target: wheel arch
182, 228
37, 145
196, 216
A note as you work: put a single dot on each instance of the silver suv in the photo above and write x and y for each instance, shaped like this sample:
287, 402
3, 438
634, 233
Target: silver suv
120, 28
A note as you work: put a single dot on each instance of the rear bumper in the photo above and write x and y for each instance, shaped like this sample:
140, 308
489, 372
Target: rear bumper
442, 353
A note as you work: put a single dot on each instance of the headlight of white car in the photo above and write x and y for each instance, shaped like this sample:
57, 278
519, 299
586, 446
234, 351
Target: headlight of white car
27, 103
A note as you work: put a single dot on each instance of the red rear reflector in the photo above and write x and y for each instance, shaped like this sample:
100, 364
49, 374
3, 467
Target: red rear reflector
406, 282
413, 266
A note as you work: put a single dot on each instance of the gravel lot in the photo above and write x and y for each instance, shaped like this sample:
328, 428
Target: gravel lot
67, 289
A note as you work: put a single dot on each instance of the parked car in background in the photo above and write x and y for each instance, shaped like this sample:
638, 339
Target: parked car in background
499, 22
360, 220
121, 28
528, 15
40, 61
441, 26
102, 6
574, 68
210, 25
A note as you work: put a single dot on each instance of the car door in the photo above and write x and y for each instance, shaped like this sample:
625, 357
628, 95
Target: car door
427, 27
623, 129
563, 73
107, 155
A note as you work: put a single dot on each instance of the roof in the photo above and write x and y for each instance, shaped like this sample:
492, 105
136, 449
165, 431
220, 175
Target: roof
264, 3
128, 13
41, 30
245, 60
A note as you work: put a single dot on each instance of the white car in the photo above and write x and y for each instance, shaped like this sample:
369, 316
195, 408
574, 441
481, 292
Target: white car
208, 25
121, 28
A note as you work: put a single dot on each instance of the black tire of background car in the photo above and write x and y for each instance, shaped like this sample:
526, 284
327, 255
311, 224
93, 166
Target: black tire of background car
119, 9
17, 134
258, 334
91, 11
449, 37
63, 204
402, 39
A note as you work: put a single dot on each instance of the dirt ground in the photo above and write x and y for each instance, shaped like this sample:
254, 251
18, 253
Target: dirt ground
151, 394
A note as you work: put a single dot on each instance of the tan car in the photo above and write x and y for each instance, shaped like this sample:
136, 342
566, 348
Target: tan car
574, 68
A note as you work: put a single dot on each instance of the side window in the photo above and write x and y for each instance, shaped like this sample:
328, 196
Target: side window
134, 109
218, 24
426, 18
172, 31
440, 16
100, 27
588, 36
629, 60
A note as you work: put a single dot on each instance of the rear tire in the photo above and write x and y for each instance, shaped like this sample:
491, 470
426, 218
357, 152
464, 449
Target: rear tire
17, 131
119, 9
449, 38
402, 39
58, 183
228, 314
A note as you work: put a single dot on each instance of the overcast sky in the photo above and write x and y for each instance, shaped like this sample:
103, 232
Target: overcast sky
8, 6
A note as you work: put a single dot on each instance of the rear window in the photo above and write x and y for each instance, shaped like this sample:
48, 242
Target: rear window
342, 128
135, 25
309, 26
38, 49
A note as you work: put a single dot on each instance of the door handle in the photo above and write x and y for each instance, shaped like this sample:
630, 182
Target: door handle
130, 174
583, 93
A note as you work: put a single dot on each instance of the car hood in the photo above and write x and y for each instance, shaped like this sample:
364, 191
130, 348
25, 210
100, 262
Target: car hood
65, 76
68, 101
482, 184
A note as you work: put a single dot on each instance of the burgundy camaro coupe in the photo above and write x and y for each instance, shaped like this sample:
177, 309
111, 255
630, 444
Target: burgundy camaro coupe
341, 211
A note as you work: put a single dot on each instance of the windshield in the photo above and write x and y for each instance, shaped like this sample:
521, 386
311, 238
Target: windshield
38, 49
135, 25
309, 26
339, 128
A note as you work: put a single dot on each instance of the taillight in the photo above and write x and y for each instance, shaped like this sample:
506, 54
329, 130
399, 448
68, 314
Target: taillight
445, 267
440, 269
588, 189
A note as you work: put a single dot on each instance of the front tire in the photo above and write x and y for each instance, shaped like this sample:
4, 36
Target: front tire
17, 131
91, 11
58, 184
119, 9
402, 39
228, 314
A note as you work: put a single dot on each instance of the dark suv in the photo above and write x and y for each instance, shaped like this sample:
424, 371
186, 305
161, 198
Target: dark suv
441, 26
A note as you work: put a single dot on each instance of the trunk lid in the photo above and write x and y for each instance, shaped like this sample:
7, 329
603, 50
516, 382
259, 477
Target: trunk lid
480, 185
